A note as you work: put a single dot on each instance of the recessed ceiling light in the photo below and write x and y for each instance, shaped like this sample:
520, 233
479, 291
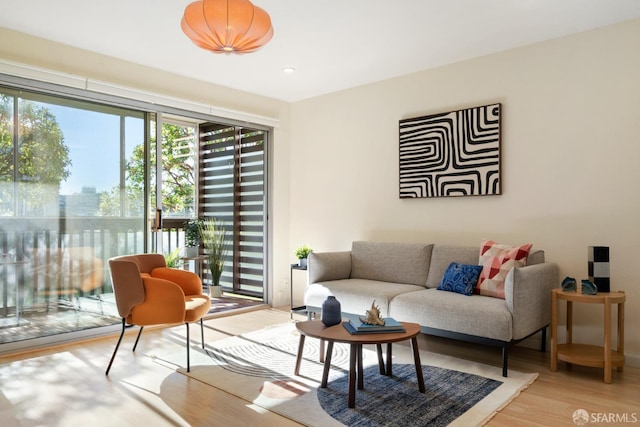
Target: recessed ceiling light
288, 69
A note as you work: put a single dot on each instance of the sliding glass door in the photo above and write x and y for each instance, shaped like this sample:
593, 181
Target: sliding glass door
172, 159
213, 170
67, 204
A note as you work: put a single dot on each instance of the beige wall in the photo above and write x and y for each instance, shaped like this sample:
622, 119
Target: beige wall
570, 152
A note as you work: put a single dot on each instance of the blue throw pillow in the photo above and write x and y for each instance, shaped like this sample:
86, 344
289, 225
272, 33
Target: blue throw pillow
460, 278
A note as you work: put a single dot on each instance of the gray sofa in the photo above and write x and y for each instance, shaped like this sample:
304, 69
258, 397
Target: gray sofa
403, 278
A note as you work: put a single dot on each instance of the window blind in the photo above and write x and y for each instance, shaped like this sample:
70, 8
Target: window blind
232, 189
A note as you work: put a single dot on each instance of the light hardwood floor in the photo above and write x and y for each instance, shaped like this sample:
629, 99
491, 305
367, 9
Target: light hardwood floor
66, 386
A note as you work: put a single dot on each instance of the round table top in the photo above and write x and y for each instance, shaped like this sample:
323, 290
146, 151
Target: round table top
338, 333
599, 298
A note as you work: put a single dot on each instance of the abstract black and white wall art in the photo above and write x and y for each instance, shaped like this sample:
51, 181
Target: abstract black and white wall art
451, 154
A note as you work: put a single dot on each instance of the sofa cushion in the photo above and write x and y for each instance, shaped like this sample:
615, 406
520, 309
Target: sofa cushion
391, 262
497, 260
329, 266
475, 315
356, 295
460, 278
443, 255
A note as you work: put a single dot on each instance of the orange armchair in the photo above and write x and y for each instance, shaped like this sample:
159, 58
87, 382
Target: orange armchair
149, 293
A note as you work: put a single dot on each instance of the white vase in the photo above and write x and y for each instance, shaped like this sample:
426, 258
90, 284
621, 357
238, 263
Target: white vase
215, 291
191, 252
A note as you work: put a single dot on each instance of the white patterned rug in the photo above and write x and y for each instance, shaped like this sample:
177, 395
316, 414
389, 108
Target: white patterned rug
258, 367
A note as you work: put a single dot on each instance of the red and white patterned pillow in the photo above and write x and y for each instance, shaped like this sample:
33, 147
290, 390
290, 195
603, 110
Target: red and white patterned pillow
496, 261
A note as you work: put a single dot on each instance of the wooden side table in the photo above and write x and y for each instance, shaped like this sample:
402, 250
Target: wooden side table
198, 262
583, 354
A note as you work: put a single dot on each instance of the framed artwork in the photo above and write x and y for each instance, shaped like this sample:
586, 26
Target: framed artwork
451, 154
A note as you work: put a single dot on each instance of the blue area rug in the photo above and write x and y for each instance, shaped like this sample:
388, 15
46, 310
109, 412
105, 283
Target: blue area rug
396, 401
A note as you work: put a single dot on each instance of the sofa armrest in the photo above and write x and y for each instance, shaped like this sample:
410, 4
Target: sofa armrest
528, 296
325, 266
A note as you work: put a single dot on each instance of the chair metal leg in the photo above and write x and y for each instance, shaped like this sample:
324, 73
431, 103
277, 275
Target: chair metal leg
202, 332
188, 345
116, 349
137, 338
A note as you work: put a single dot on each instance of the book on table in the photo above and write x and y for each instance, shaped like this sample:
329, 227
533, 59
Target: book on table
359, 327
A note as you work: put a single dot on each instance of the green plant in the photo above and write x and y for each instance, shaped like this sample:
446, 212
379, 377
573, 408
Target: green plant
303, 251
173, 258
213, 237
192, 232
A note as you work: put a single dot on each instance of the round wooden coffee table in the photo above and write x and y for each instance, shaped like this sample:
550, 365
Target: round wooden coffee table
337, 333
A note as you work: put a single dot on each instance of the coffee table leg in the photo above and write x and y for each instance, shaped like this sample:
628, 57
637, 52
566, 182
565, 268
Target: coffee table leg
380, 359
416, 360
360, 369
353, 353
327, 365
299, 357
389, 356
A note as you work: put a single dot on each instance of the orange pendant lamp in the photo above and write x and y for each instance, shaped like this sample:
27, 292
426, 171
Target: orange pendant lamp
227, 26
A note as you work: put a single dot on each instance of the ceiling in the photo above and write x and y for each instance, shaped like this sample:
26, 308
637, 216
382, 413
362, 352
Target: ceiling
332, 44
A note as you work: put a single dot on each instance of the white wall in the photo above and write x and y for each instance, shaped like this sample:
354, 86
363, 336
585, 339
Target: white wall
570, 152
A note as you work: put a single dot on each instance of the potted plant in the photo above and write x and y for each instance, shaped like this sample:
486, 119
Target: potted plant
302, 253
173, 258
213, 237
192, 236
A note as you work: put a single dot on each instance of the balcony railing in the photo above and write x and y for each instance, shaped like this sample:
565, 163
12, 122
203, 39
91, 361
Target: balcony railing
45, 260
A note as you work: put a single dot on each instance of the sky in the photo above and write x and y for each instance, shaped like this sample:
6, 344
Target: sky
93, 139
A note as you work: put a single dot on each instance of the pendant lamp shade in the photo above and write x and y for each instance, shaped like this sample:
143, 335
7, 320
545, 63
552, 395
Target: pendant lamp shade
227, 26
